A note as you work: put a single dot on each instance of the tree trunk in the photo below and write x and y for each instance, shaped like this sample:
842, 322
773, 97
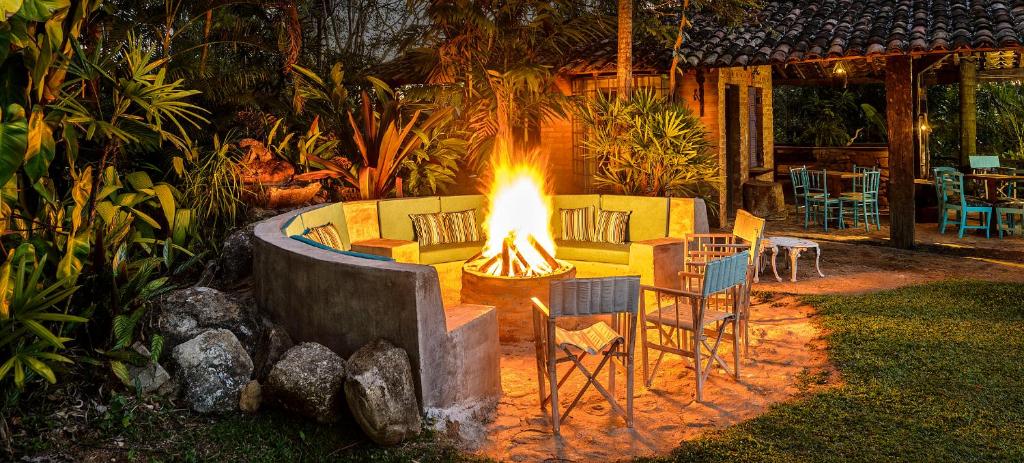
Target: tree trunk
899, 106
968, 111
674, 67
624, 65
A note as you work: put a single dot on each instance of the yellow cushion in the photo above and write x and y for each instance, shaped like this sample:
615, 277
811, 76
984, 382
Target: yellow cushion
466, 202
588, 251
649, 215
452, 252
394, 215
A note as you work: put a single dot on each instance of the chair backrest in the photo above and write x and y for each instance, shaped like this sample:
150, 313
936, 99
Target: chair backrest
751, 228
952, 185
594, 296
817, 181
798, 175
940, 172
860, 170
872, 182
725, 273
984, 162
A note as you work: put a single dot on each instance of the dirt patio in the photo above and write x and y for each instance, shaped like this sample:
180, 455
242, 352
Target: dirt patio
787, 356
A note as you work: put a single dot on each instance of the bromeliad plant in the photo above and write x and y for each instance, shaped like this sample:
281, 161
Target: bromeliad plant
33, 315
645, 145
385, 133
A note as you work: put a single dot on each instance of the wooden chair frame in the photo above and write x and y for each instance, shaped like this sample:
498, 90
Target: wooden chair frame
715, 288
549, 354
747, 235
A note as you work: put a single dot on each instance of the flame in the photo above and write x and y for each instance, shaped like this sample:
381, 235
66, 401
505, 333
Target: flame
519, 209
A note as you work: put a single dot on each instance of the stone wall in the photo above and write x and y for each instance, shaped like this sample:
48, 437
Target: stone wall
839, 158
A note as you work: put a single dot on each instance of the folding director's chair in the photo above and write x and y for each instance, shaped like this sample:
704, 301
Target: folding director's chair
585, 297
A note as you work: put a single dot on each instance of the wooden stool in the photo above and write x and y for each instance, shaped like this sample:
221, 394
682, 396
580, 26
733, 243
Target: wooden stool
399, 250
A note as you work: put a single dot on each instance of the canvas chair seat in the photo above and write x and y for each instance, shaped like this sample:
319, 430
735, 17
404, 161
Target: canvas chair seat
1010, 202
667, 316
972, 201
592, 339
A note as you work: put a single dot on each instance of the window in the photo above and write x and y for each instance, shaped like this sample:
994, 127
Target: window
584, 166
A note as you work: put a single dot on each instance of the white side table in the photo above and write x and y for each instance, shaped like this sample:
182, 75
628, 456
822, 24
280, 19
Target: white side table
793, 247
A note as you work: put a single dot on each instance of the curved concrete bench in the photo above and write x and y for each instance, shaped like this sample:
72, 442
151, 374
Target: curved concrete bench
344, 301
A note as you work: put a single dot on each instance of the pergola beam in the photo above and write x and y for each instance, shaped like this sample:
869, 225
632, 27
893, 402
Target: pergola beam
899, 111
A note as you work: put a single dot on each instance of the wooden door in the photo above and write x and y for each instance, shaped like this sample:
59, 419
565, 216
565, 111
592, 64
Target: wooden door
733, 151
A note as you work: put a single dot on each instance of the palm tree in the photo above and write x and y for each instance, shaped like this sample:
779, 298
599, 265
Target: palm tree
624, 64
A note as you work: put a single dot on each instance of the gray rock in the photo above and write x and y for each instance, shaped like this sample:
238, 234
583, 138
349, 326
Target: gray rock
251, 397
213, 368
308, 381
235, 263
381, 393
147, 378
274, 342
185, 313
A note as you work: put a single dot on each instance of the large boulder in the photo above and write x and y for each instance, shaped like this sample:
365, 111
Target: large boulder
185, 313
273, 343
381, 393
235, 263
308, 381
213, 368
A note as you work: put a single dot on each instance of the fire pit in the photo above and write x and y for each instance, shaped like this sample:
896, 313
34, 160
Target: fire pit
518, 260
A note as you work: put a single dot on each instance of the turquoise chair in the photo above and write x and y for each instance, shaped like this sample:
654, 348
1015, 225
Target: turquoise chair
954, 199
864, 199
819, 201
798, 175
1012, 206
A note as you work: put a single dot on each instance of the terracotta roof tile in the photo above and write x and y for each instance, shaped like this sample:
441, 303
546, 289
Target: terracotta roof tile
794, 30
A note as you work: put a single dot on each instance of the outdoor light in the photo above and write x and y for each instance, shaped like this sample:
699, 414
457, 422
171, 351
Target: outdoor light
839, 70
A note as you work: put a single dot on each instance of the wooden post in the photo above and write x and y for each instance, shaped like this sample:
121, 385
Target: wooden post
899, 113
968, 110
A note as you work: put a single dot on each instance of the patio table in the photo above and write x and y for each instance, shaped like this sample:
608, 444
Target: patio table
992, 182
836, 188
794, 247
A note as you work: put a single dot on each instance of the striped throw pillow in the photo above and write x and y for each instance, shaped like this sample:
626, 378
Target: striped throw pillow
611, 227
577, 224
326, 235
461, 226
430, 229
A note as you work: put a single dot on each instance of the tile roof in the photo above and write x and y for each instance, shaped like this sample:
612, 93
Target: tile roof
805, 30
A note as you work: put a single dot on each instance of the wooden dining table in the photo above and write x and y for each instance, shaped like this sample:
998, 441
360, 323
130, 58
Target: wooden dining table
992, 182
836, 188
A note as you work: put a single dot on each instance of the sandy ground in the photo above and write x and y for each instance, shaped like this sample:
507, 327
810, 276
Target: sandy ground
787, 348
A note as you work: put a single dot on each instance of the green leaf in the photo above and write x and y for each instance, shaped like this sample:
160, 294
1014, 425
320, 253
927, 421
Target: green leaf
41, 10
8, 8
39, 367
13, 141
43, 333
156, 347
121, 371
139, 180
165, 195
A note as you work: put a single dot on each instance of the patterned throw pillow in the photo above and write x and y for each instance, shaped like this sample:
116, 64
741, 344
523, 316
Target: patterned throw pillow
611, 227
326, 235
461, 226
577, 224
430, 229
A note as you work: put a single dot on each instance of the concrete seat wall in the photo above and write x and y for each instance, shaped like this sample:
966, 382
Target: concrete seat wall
345, 302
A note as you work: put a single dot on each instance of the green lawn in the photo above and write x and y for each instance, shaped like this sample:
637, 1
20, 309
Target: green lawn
932, 373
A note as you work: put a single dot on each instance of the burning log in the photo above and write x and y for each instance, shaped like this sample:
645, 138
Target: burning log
543, 252
506, 261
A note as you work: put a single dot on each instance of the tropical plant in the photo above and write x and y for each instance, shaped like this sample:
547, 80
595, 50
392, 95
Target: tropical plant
385, 133
1008, 102
646, 145
32, 331
211, 186
494, 62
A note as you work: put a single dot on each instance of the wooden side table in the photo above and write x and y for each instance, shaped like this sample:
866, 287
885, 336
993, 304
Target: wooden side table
399, 250
658, 261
